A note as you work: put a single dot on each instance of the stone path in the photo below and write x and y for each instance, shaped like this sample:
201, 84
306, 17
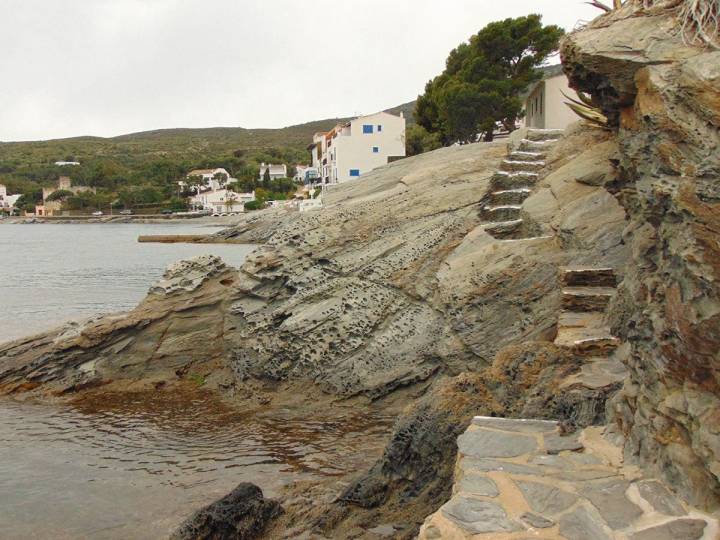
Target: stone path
513, 183
520, 480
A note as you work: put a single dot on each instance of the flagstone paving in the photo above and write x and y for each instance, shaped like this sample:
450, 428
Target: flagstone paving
522, 480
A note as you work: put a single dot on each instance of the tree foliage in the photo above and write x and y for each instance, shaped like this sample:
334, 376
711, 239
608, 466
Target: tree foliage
483, 79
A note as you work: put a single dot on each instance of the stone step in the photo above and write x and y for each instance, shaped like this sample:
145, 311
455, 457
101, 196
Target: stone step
522, 166
507, 180
526, 156
598, 372
504, 229
581, 319
587, 341
594, 277
586, 298
509, 196
527, 145
501, 213
545, 134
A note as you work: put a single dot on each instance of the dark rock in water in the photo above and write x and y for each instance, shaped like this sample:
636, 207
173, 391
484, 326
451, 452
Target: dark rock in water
241, 515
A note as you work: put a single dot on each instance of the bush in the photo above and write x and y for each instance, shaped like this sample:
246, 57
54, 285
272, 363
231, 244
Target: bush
254, 205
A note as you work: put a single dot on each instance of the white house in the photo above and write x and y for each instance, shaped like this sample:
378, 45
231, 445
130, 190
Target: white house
304, 172
276, 171
221, 200
545, 104
7, 202
66, 163
208, 179
357, 147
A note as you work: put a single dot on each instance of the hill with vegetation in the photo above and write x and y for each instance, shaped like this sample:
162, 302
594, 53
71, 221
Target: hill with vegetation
143, 168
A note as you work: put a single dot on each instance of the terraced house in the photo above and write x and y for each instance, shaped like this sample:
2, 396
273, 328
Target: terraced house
357, 147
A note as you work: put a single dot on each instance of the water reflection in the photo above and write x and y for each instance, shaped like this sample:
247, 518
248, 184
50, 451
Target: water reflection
119, 467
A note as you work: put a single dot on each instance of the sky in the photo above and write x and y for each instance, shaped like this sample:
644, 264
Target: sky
109, 67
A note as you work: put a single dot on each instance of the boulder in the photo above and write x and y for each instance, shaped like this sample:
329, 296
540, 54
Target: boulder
243, 514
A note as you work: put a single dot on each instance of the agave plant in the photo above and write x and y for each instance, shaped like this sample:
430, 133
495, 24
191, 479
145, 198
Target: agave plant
585, 109
617, 4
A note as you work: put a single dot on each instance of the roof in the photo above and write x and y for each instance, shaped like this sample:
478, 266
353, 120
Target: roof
548, 72
200, 172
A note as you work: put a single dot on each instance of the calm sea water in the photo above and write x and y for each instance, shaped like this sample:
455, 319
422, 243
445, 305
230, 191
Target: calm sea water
53, 273
133, 467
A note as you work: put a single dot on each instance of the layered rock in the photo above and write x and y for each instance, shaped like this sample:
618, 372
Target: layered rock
664, 99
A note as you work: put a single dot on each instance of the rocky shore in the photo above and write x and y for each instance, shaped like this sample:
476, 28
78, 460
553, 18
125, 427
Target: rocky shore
581, 289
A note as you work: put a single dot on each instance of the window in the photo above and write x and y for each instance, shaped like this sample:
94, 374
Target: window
367, 128
379, 128
376, 149
354, 172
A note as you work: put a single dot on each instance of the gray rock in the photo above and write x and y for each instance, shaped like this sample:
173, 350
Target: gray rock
478, 517
546, 499
554, 444
609, 498
241, 515
517, 425
681, 529
486, 465
581, 525
536, 521
478, 485
494, 444
383, 530
660, 498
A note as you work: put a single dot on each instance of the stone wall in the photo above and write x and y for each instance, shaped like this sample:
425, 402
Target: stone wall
664, 100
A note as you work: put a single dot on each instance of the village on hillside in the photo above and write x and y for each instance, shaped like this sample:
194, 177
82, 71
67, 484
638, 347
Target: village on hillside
348, 152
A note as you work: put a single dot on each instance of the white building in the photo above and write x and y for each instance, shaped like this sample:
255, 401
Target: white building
207, 177
545, 104
357, 147
7, 202
221, 201
303, 172
66, 163
276, 171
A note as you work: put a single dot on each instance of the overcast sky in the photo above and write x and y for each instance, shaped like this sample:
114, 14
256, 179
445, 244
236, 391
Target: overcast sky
108, 67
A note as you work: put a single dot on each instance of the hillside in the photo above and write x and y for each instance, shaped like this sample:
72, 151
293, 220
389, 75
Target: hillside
184, 143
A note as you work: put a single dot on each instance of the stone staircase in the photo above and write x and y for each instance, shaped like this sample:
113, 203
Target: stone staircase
513, 183
581, 326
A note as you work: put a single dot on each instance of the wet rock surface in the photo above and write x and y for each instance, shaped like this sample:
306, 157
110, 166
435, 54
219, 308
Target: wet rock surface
241, 515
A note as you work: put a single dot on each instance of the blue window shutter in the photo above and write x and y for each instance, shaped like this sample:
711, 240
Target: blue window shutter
367, 128
376, 149
354, 172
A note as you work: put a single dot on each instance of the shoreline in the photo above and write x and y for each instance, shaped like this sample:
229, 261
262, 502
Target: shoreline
224, 221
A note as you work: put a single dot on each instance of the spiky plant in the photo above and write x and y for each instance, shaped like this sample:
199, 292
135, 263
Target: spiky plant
585, 109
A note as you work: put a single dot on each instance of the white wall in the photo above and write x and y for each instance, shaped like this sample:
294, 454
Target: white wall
356, 150
550, 111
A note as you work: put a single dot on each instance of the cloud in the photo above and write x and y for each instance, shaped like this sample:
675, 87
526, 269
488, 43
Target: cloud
106, 67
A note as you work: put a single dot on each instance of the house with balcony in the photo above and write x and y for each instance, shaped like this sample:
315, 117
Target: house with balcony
276, 171
355, 148
221, 201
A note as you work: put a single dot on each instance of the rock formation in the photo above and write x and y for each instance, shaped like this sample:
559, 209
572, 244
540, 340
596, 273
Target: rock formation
444, 274
663, 97
242, 515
